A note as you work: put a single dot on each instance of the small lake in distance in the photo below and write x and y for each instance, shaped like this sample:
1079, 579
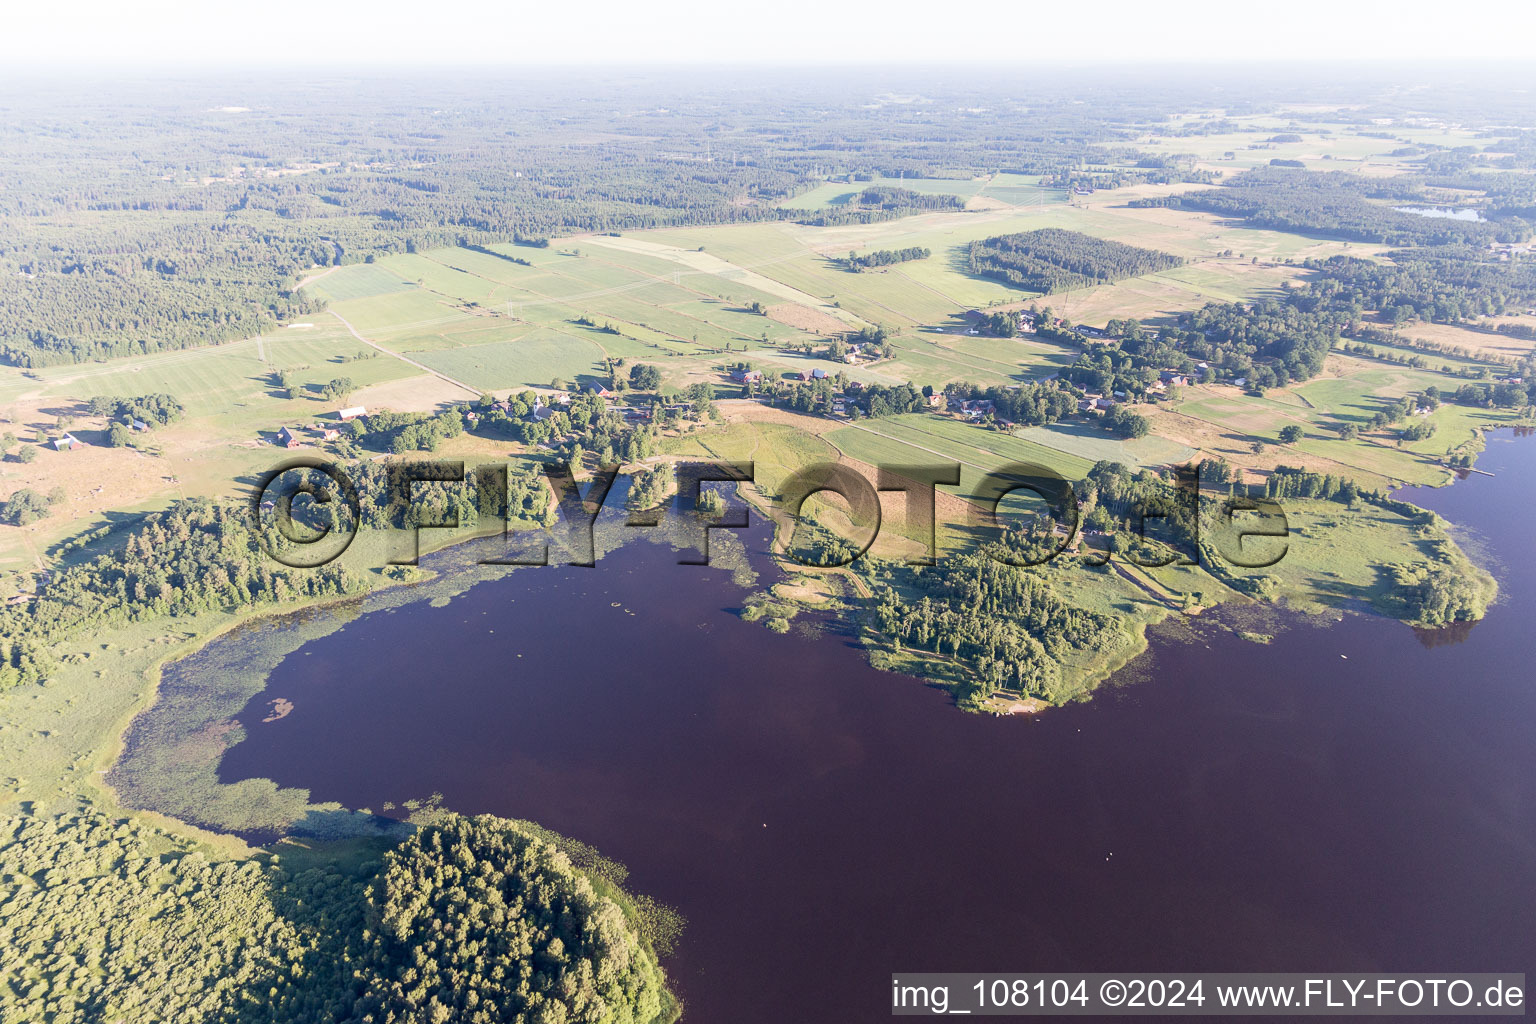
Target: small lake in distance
1440, 212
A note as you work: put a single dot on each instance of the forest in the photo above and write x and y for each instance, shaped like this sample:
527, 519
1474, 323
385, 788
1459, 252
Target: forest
879, 203
1336, 205
481, 920
884, 258
1273, 341
1055, 259
195, 556
986, 610
1441, 284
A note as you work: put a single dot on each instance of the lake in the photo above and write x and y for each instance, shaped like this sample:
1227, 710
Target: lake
1350, 797
1440, 212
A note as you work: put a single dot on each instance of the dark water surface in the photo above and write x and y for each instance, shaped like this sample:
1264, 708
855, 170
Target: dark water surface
1346, 798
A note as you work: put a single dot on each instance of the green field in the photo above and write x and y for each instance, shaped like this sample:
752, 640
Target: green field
534, 359
920, 439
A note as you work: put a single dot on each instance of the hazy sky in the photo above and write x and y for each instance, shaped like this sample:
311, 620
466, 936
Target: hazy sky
167, 34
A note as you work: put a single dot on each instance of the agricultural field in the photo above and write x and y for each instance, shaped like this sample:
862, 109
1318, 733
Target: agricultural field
917, 439
441, 325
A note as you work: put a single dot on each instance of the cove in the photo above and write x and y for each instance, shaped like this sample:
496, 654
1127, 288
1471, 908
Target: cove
1349, 797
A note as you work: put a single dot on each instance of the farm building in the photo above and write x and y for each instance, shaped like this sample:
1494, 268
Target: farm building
287, 438
64, 442
745, 376
599, 390
352, 413
138, 425
818, 374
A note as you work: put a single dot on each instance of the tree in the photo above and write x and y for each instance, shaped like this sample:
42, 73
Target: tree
27, 453
119, 436
339, 389
1216, 471
23, 507
1290, 434
644, 377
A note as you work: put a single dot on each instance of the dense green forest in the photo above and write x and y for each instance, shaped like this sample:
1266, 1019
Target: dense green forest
1273, 341
1054, 259
1337, 205
1009, 626
882, 202
472, 920
1443, 284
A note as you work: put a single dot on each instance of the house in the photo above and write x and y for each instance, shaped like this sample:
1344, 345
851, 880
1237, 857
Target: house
331, 433
1120, 394
746, 376
839, 407
352, 413
1240, 382
855, 385
803, 375
287, 438
851, 357
64, 442
1104, 403
818, 374
935, 400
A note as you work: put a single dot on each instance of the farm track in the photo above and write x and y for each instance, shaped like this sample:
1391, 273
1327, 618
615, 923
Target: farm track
404, 359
